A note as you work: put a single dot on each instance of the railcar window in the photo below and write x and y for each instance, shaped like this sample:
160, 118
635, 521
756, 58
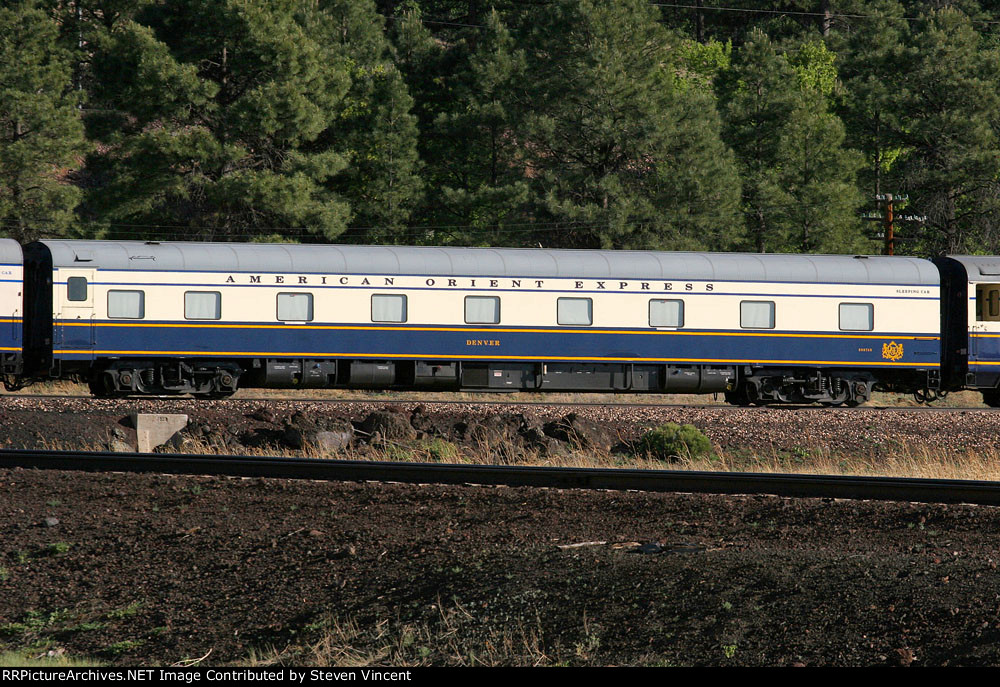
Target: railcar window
388, 308
857, 317
482, 310
127, 305
202, 305
295, 307
988, 302
76, 289
757, 314
666, 313
575, 311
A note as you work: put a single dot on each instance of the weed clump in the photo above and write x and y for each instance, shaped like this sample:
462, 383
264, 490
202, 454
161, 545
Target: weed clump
440, 450
672, 441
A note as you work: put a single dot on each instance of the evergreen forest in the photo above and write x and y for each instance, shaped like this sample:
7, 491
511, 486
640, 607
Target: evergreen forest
723, 125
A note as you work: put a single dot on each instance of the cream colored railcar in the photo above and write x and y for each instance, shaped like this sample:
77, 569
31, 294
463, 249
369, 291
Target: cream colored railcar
204, 318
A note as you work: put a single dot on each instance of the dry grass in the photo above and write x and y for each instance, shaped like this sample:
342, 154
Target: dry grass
48, 659
59, 387
903, 461
455, 638
899, 461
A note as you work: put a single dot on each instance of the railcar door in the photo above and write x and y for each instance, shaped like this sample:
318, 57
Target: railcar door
984, 332
73, 296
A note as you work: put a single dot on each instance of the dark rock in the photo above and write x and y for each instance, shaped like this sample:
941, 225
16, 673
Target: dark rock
433, 424
332, 440
335, 437
293, 437
536, 438
495, 430
388, 425
582, 433
532, 433
264, 414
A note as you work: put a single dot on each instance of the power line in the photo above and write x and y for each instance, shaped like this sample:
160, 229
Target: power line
721, 8
749, 10
535, 227
803, 13
435, 21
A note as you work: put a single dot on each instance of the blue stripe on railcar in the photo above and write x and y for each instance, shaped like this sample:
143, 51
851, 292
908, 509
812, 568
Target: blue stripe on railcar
11, 334
86, 340
984, 350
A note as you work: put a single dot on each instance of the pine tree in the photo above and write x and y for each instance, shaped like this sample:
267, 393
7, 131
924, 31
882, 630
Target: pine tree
220, 104
760, 91
817, 197
817, 173
872, 68
620, 154
799, 181
373, 124
950, 165
479, 180
41, 135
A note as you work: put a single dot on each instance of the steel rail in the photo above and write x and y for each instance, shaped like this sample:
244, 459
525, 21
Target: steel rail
508, 403
615, 479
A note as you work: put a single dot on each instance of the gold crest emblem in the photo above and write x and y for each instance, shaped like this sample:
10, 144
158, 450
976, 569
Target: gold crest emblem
892, 351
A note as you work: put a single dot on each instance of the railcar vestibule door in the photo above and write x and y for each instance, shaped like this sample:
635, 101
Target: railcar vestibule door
73, 296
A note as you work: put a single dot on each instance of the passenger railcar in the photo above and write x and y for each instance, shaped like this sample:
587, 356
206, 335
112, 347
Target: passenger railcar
159, 318
11, 311
970, 310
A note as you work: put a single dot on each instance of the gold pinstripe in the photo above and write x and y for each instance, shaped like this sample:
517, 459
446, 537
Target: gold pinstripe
431, 356
495, 330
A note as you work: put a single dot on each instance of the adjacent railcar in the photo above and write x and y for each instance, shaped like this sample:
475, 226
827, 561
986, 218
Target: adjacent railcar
134, 317
971, 322
11, 312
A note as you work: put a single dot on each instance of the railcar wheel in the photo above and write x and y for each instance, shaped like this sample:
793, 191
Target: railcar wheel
737, 397
99, 387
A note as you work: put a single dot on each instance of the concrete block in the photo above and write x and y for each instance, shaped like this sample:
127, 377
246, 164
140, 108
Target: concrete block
156, 429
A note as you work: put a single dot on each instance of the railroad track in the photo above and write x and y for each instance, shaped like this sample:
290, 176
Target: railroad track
789, 485
505, 403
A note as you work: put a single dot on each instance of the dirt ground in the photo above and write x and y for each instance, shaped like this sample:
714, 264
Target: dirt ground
144, 569
155, 570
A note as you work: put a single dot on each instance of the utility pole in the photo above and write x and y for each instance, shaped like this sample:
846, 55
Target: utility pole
890, 230
888, 218
699, 23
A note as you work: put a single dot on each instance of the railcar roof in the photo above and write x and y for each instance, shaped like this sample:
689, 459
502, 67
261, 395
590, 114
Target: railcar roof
985, 266
493, 262
10, 252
